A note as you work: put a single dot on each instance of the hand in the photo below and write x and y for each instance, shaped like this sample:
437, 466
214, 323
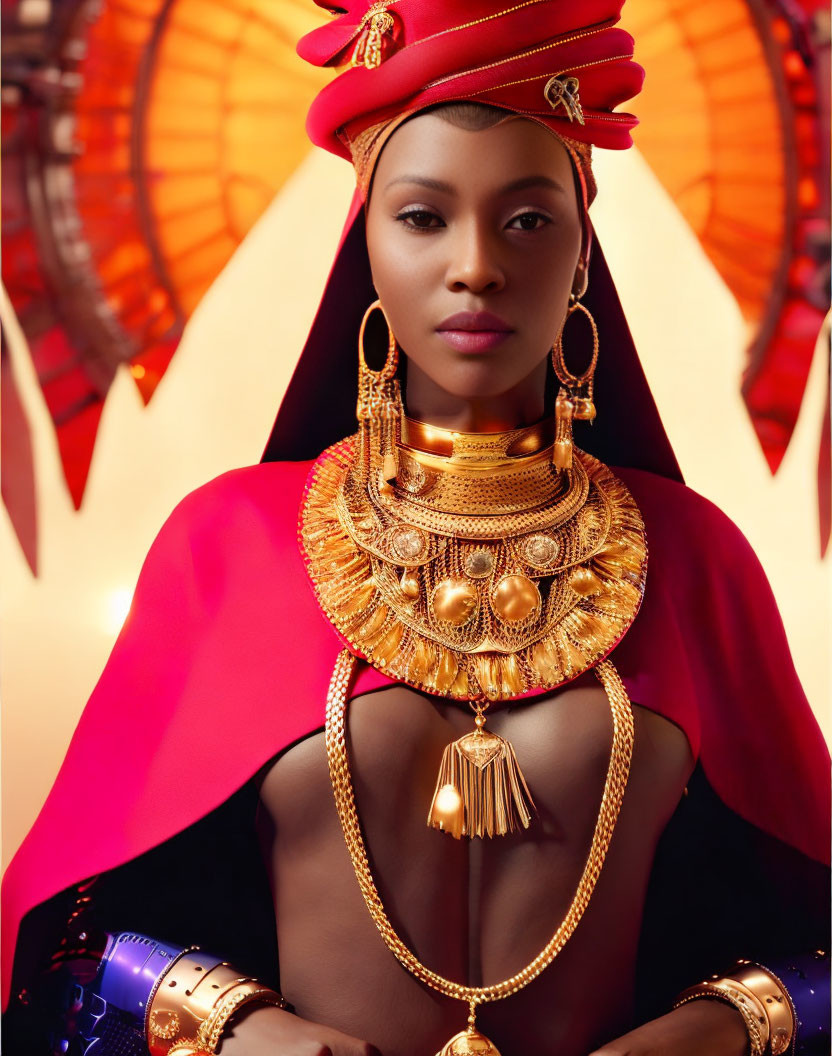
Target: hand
262, 1030
704, 1026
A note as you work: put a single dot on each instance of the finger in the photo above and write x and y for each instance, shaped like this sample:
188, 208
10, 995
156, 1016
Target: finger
345, 1045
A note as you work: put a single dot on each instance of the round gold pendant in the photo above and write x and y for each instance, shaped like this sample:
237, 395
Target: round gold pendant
541, 550
469, 1043
409, 543
479, 564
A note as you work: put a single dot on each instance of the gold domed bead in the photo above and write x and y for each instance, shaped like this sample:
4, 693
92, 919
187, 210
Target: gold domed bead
584, 410
562, 453
515, 598
409, 584
454, 601
584, 581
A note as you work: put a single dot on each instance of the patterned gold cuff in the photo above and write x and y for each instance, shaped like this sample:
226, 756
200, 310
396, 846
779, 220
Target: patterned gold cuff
761, 999
776, 1002
744, 1002
194, 1001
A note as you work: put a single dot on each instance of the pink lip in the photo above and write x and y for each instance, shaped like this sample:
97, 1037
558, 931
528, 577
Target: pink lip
475, 321
474, 332
473, 341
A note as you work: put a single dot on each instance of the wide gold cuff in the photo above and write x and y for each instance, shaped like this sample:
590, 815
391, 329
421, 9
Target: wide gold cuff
193, 1003
775, 999
761, 999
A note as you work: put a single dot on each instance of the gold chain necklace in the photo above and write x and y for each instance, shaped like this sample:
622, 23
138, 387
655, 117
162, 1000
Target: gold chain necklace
470, 1040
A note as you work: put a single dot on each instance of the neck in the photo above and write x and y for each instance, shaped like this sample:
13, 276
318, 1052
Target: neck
518, 407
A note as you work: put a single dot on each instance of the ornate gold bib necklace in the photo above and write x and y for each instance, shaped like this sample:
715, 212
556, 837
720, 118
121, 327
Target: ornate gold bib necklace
480, 574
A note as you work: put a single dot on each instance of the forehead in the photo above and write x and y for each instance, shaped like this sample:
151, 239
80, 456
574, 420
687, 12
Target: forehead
429, 146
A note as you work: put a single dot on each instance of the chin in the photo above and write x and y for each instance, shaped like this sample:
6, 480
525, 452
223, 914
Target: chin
477, 381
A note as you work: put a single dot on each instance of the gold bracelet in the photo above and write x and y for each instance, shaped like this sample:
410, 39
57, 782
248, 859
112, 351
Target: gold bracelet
210, 1032
189, 997
752, 1012
761, 999
775, 1000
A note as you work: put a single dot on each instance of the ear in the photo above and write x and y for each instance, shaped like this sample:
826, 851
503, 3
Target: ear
579, 283
581, 279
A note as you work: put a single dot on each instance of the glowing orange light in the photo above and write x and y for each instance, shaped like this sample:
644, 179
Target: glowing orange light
807, 193
137, 370
780, 31
793, 65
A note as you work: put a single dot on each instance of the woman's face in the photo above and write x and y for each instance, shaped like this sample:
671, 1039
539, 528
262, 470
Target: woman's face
461, 223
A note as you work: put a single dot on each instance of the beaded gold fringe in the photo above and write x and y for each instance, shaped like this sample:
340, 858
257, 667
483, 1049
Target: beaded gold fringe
480, 790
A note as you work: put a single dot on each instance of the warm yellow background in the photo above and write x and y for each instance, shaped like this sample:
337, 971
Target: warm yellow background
215, 406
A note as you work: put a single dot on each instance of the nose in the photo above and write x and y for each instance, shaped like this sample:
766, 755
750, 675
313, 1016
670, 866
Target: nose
473, 263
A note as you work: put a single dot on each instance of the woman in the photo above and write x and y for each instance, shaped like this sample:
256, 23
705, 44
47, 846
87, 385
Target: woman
466, 547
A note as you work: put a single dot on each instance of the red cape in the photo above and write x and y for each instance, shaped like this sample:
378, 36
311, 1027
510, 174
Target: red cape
225, 660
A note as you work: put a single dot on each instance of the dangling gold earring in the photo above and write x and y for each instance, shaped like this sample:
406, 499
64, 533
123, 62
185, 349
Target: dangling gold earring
575, 396
379, 410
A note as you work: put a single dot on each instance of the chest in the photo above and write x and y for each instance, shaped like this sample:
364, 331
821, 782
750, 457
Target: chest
474, 910
396, 738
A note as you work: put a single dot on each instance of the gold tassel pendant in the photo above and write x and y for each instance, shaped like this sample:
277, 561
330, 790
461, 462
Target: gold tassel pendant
480, 790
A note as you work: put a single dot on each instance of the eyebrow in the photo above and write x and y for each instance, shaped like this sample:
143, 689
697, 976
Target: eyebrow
523, 184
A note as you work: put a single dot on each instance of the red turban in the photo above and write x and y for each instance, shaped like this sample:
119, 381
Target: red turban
558, 62
561, 64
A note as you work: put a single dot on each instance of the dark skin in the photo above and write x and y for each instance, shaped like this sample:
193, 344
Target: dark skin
473, 910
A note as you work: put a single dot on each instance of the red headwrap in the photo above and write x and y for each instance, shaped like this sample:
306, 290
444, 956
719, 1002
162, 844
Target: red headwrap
536, 58
490, 52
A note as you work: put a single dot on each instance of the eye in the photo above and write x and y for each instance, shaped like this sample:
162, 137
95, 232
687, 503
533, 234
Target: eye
529, 221
419, 219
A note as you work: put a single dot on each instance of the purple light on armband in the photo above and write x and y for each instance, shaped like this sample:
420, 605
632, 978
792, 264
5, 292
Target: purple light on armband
131, 967
806, 977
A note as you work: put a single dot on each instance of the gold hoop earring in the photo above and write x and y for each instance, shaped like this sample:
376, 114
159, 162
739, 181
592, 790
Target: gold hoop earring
373, 384
379, 407
575, 396
580, 386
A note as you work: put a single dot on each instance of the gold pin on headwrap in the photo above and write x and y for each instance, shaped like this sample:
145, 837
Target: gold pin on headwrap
480, 790
375, 23
563, 91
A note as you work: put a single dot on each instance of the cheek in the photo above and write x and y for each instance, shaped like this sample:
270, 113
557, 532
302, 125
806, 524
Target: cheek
405, 276
543, 281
